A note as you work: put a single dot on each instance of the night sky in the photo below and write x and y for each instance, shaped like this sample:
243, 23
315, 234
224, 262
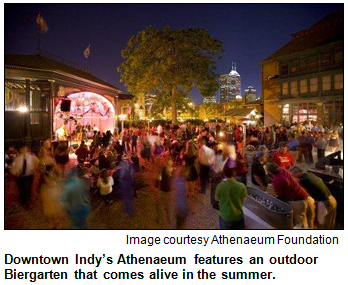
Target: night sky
249, 32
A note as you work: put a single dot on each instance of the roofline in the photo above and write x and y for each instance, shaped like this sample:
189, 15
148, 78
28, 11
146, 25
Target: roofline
64, 74
298, 52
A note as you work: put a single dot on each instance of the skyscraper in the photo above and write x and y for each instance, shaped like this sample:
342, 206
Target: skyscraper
230, 85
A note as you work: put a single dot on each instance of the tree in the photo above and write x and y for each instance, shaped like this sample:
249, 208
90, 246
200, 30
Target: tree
170, 62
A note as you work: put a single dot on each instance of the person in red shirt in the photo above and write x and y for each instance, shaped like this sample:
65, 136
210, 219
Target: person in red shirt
289, 190
283, 158
82, 152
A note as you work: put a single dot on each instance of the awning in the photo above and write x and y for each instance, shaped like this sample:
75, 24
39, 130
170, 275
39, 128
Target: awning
242, 112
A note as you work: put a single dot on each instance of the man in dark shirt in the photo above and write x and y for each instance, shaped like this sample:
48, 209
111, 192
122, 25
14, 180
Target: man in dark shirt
303, 149
258, 172
326, 203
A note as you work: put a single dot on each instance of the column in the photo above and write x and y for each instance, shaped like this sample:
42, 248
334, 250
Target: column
51, 108
320, 113
116, 114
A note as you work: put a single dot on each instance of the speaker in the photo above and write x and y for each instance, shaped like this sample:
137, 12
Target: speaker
65, 105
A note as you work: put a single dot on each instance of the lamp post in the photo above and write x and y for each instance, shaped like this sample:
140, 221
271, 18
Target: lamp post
122, 118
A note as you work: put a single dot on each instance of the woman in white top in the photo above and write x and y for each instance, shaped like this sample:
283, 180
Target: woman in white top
105, 183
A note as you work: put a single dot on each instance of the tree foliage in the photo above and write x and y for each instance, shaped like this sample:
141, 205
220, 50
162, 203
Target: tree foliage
170, 62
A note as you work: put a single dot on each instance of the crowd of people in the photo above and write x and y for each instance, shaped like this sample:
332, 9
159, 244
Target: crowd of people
189, 160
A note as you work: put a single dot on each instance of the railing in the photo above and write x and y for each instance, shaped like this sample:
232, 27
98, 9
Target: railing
63, 61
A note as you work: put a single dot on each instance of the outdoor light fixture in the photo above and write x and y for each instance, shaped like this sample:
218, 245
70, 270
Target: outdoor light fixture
22, 109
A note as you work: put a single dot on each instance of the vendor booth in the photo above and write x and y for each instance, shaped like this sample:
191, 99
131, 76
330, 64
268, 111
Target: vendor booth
247, 116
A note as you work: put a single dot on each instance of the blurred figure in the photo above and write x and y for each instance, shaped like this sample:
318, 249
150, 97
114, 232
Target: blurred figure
146, 151
157, 149
123, 177
190, 157
321, 145
111, 160
216, 176
311, 142
61, 156
182, 205
75, 200
80, 168
134, 142
241, 169
50, 193
258, 173
206, 158
23, 169
94, 171
326, 203
45, 153
103, 163
166, 202
45, 157
82, 152
231, 196
303, 149
105, 183
136, 162
11, 153
293, 144
334, 141
125, 139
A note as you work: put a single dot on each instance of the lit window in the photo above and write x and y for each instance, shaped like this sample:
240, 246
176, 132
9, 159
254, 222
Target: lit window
302, 118
286, 119
312, 118
303, 86
313, 85
338, 79
326, 83
286, 109
285, 88
293, 87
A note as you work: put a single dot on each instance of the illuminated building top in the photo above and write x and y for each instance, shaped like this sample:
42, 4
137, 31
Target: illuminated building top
230, 85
